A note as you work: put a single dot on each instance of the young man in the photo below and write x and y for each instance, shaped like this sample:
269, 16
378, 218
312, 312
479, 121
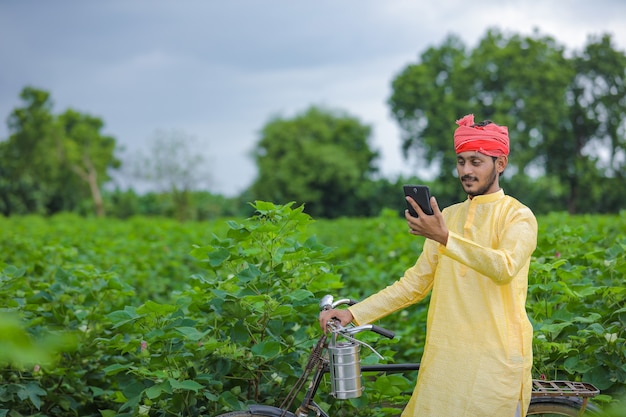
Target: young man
478, 353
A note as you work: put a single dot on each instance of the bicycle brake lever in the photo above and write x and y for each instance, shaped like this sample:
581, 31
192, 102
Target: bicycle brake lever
371, 327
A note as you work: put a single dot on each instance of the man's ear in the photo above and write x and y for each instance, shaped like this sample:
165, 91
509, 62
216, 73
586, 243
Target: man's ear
501, 163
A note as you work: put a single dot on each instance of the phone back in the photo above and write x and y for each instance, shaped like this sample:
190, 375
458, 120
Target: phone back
421, 194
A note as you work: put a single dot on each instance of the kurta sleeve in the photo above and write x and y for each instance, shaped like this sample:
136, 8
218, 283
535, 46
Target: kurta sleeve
501, 260
411, 288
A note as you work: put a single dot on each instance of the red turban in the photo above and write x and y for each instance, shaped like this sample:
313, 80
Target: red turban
491, 139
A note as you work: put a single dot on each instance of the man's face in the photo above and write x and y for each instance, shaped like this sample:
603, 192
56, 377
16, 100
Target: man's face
479, 172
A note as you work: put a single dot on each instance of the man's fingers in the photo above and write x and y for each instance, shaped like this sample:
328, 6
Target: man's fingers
325, 317
434, 205
415, 206
342, 316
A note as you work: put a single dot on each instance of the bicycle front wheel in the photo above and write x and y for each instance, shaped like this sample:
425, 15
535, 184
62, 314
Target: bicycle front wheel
241, 414
260, 411
557, 406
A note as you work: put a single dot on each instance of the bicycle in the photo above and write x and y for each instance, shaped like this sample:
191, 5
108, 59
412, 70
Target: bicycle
341, 359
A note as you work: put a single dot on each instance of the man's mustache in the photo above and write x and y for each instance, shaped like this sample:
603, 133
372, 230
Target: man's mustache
468, 177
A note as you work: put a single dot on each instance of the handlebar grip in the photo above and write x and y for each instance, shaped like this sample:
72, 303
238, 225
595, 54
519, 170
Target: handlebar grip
383, 332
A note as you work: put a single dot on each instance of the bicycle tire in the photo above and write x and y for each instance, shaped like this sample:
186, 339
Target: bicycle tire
259, 411
558, 406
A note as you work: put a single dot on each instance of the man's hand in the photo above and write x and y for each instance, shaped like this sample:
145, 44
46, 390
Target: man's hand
430, 226
344, 317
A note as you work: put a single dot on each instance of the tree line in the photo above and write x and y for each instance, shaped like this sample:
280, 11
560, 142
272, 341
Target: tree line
566, 113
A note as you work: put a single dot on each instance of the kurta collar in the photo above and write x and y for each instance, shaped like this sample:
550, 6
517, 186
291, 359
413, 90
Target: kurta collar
488, 198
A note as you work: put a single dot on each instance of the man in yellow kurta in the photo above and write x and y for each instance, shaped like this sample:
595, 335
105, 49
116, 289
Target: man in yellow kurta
478, 353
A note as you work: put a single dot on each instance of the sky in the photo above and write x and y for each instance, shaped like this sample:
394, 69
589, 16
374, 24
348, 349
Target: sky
216, 72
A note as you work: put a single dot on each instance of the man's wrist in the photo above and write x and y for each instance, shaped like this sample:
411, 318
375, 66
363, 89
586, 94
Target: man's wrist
444, 240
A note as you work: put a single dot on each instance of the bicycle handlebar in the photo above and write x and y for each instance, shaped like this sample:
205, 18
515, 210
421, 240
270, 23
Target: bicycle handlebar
370, 327
335, 327
327, 303
383, 332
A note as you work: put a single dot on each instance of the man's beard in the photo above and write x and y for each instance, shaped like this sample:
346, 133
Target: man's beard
483, 189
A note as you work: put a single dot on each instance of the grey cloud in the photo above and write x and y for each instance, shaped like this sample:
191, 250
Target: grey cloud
220, 69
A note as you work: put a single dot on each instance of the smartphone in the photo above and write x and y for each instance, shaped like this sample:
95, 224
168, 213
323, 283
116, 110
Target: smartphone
421, 194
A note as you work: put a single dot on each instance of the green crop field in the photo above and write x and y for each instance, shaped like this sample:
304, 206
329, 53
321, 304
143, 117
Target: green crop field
148, 316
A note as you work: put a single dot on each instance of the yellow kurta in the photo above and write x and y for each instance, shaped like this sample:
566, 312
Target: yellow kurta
478, 354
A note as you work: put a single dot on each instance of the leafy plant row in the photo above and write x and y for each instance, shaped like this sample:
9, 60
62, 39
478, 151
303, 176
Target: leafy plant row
154, 317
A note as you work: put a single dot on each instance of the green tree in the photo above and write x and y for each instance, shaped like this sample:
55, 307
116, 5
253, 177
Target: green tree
52, 163
597, 106
28, 161
174, 168
425, 98
320, 158
555, 107
88, 153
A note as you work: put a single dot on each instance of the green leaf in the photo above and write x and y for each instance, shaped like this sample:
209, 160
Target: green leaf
268, 349
574, 365
596, 328
153, 307
191, 333
154, 391
14, 272
248, 274
229, 400
385, 387
239, 332
600, 377
217, 257
300, 295
615, 251
116, 368
187, 385
122, 317
33, 392
559, 263
590, 318
587, 291
555, 328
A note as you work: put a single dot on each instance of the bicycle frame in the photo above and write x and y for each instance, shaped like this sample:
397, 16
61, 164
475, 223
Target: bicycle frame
308, 403
318, 365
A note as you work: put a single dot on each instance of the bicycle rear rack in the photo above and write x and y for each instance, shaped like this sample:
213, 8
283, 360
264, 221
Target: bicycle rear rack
543, 388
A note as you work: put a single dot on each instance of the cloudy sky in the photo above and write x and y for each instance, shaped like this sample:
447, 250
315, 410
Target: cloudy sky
219, 70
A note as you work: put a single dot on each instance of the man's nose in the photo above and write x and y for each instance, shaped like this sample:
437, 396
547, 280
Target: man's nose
465, 169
